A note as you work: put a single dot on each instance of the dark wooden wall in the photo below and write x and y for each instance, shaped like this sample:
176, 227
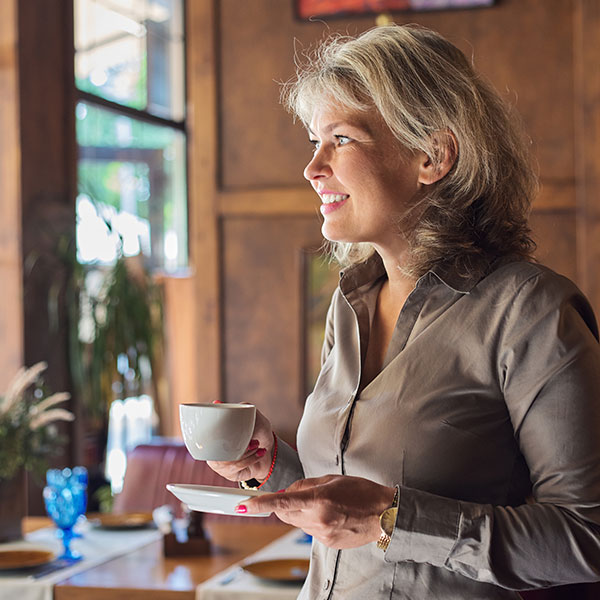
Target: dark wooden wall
37, 166
254, 213
37, 162
235, 324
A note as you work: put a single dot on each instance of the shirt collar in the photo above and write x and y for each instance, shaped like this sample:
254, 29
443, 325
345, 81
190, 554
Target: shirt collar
371, 269
362, 273
456, 282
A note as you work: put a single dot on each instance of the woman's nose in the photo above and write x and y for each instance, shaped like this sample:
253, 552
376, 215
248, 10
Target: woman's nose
318, 167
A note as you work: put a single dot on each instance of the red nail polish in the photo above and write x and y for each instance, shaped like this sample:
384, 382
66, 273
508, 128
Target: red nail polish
241, 509
261, 452
253, 444
281, 491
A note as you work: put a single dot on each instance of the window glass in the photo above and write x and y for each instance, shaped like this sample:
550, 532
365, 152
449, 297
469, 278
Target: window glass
132, 52
132, 189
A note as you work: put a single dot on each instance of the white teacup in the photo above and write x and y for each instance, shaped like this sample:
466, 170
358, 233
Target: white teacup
217, 431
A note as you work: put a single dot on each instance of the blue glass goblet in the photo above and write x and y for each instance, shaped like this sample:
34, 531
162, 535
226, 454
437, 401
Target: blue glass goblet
65, 504
80, 475
60, 478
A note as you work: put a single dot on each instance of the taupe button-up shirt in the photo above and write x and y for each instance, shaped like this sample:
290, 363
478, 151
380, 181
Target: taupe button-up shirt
488, 397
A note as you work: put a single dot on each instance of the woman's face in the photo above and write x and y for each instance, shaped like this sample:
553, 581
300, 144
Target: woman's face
366, 180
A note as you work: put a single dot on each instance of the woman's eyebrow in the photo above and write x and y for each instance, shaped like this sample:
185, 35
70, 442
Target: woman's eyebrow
343, 124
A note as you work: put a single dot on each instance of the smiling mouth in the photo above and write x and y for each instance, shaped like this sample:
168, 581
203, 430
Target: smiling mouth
332, 198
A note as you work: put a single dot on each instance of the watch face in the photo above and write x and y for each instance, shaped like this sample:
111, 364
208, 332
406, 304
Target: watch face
388, 520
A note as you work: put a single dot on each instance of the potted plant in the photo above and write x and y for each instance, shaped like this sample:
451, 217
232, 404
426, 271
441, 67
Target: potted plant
28, 435
117, 335
116, 342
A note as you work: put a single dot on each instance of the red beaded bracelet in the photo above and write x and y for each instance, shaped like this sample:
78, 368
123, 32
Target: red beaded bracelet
272, 462
251, 483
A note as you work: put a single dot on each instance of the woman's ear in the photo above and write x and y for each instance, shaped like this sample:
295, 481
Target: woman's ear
445, 153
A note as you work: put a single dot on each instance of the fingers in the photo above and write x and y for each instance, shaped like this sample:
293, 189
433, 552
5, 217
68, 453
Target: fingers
263, 431
255, 462
252, 463
287, 502
297, 497
249, 459
311, 482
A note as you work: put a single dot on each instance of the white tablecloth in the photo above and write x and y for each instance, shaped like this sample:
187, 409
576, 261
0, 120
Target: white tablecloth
96, 546
236, 584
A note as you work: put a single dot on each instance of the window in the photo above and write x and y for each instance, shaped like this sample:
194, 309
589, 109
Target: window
130, 124
132, 192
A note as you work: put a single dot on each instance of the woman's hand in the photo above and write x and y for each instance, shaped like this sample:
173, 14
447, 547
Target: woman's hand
256, 461
338, 510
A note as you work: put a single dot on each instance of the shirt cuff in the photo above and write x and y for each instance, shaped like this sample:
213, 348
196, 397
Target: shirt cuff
427, 528
287, 468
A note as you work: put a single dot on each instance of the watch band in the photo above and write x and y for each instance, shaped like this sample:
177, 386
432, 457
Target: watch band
384, 541
387, 521
249, 484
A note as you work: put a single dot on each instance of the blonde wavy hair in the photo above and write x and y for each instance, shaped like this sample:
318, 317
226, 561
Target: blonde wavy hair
423, 86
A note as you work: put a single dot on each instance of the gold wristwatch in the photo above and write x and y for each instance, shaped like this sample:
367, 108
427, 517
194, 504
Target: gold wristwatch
387, 522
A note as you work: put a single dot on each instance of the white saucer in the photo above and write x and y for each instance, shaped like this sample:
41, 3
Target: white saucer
213, 499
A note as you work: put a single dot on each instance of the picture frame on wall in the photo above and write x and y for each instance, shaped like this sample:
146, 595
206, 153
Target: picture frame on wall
307, 9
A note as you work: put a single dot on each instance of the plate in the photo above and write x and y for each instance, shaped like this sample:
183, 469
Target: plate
284, 570
133, 520
213, 499
24, 558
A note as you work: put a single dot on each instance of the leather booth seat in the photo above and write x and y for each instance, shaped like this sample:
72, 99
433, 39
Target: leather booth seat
151, 466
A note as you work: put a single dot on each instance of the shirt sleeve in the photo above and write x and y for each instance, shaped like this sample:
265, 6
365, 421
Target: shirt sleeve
287, 468
548, 363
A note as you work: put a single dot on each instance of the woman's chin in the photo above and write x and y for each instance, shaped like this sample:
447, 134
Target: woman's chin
332, 236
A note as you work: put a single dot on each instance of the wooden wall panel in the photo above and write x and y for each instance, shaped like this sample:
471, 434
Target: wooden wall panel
263, 276
180, 319
523, 47
202, 120
250, 209
587, 119
255, 193
555, 233
11, 310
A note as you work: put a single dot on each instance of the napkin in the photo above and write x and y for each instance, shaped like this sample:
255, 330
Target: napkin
236, 584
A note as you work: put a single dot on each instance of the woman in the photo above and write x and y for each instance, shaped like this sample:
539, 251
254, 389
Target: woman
450, 448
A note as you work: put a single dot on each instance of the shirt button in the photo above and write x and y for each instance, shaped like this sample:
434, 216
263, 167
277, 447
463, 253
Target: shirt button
326, 584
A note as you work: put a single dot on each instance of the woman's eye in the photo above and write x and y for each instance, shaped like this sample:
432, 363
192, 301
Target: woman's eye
342, 139
315, 144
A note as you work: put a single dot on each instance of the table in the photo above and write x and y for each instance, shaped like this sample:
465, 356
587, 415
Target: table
97, 546
147, 574
235, 583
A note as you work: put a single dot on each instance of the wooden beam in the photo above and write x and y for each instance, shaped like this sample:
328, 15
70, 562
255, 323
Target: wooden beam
555, 194
203, 218
587, 136
268, 202
48, 163
11, 310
